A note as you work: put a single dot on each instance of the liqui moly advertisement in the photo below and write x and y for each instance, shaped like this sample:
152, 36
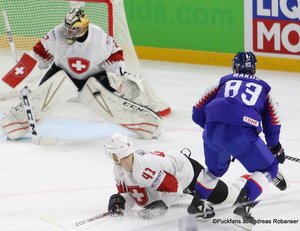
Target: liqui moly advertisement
272, 27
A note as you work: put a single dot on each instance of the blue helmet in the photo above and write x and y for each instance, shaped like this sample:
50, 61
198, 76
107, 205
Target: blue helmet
244, 62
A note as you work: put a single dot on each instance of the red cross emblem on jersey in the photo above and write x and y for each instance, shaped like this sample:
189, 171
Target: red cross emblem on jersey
78, 65
139, 195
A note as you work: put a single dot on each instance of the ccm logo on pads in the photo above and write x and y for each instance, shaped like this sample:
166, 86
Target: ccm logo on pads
133, 106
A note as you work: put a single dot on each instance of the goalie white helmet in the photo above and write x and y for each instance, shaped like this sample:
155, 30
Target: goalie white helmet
118, 147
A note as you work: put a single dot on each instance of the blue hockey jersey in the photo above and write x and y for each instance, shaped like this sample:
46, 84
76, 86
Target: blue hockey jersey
240, 99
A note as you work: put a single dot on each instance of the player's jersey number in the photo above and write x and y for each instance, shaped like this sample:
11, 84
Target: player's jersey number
249, 93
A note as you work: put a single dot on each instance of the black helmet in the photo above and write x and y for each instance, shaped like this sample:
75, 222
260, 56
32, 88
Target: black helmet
244, 62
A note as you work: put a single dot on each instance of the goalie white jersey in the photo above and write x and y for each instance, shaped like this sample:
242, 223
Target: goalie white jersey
81, 59
155, 176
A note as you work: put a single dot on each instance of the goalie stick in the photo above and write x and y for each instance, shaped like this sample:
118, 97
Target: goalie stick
44, 141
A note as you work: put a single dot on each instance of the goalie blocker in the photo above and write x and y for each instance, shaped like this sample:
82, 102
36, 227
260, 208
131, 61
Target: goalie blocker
25, 72
60, 88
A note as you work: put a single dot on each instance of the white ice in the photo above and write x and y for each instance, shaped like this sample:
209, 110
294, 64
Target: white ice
73, 180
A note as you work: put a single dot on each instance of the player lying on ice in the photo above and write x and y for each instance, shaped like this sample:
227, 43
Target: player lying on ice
82, 58
152, 180
155, 180
232, 113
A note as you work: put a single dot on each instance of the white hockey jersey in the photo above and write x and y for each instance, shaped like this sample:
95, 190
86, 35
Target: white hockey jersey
80, 59
155, 176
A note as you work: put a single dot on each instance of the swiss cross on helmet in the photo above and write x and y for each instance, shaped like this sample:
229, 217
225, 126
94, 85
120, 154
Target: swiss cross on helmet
75, 25
244, 62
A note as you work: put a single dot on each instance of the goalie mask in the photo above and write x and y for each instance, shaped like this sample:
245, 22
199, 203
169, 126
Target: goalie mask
75, 25
118, 147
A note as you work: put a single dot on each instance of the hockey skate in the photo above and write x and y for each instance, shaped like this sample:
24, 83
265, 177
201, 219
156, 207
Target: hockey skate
280, 182
242, 210
200, 208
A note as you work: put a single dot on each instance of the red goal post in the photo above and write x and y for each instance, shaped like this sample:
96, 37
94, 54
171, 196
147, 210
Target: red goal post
110, 13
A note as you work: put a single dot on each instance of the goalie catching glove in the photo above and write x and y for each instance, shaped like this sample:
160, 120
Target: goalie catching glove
116, 205
130, 86
143, 121
278, 152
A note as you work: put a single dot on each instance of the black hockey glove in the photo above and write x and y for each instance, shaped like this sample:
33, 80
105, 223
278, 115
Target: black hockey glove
278, 151
116, 205
153, 210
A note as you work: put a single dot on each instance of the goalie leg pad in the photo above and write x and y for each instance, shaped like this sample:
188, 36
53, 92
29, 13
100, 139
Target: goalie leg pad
45, 99
116, 109
14, 125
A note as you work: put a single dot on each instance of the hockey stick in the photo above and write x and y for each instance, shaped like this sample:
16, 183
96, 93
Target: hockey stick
292, 158
76, 224
9, 36
82, 222
44, 141
12, 48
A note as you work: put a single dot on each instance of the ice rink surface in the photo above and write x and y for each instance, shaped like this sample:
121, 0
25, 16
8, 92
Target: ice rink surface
73, 180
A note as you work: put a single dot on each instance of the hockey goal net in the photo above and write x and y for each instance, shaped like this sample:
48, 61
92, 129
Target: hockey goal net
32, 19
